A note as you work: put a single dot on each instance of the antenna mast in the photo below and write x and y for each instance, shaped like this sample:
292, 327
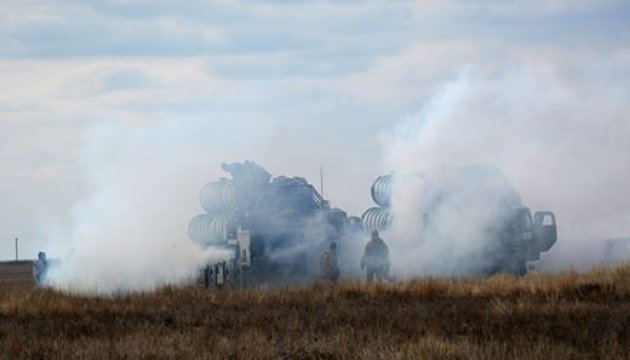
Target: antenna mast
321, 180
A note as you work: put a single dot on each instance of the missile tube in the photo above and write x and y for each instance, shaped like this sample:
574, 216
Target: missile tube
376, 218
382, 190
206, 229
219, 195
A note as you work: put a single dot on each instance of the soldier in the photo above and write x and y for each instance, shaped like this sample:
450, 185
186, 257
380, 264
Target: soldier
40, 266
376, 258
328, 267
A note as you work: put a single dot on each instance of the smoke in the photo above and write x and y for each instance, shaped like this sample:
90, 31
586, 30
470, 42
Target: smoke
129, 232
449, 213
302, 252
561, 142
320, 233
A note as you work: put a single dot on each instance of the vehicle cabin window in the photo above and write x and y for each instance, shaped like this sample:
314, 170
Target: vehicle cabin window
547, 220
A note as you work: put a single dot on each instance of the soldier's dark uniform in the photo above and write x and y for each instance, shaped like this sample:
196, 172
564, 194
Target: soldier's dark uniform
328, 266
376, 258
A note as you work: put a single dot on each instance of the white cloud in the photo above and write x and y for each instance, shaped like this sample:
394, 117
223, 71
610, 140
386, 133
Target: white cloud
321, 79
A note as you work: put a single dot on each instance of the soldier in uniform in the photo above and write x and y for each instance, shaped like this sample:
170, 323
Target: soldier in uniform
376, 258
40, 266
328, 266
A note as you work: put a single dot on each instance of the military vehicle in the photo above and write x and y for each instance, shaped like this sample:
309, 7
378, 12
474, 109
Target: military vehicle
475, 202
272, 229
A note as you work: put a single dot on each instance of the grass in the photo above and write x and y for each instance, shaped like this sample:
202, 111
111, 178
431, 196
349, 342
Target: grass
560, 316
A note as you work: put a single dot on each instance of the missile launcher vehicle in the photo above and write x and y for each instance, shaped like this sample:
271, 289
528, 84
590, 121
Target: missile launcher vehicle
475, 203
273, 229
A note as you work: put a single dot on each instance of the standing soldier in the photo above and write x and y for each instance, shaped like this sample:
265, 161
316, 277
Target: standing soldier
328, 267
40, 266
376, 258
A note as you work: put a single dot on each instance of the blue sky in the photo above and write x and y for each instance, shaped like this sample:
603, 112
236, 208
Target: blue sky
291, 84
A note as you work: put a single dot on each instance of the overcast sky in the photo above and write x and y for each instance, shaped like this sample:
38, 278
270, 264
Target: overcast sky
293, 85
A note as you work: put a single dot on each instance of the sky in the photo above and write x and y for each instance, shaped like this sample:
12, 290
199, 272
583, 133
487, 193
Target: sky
148, 98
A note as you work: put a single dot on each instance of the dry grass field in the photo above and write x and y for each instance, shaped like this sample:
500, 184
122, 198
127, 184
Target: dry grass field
562, 316
16, 275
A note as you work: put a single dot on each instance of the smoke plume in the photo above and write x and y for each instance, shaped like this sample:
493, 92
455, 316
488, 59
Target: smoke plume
129, 232
563, 145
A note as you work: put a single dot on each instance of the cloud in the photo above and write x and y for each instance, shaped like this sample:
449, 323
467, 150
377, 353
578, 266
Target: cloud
321, 80
70, 29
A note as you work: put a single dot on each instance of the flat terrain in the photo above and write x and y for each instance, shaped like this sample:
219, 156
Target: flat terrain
16, 275
562, 316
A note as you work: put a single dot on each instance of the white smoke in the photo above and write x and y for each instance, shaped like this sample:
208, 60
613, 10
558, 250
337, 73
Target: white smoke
129, 233
562, 144
447, 213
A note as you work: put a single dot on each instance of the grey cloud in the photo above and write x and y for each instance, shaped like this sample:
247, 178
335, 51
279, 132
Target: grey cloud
560, 23
103, 29
286, 67
127, 79
110, 79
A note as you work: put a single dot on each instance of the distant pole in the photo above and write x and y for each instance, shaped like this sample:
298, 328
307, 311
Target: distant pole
321, 180
16, 249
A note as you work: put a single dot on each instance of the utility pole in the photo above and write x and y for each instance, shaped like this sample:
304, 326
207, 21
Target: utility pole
16, 249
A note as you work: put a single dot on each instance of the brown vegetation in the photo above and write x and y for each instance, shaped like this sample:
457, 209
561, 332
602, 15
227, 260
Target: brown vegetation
563, 316
16, 275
